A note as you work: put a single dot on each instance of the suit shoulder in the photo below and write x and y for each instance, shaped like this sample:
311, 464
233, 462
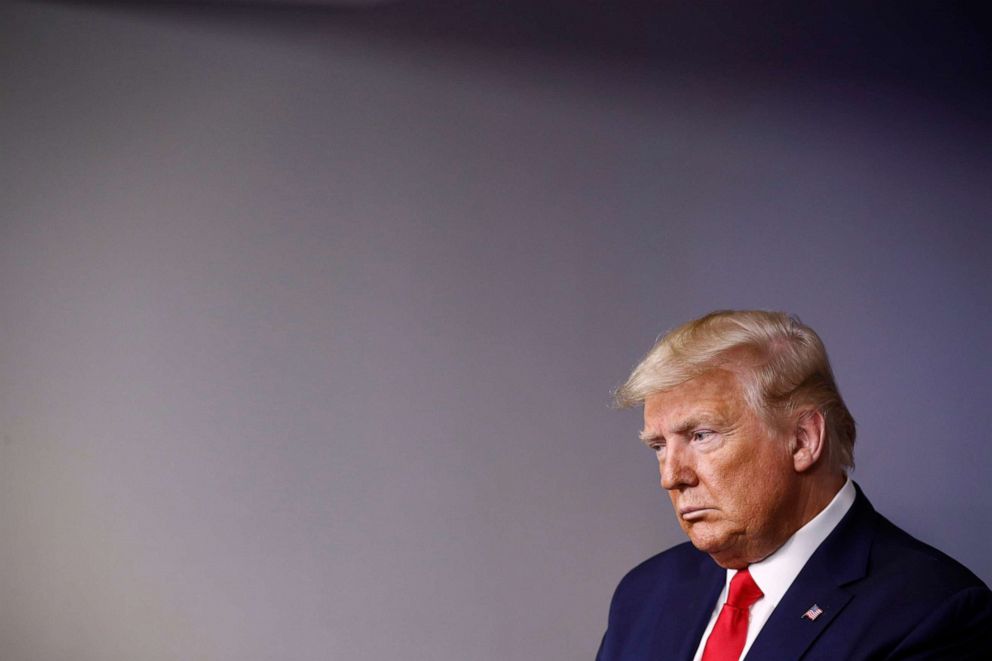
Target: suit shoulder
681, 562
679, 555
655, 587
896, 552
950, 608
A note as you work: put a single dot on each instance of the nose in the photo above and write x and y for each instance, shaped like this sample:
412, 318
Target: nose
676, 467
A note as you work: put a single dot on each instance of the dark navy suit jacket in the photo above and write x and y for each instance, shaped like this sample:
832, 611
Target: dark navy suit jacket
884, 595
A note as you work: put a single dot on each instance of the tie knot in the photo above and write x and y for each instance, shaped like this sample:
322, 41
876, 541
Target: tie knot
743, 590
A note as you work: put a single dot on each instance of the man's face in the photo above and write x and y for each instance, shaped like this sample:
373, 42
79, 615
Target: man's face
731, 479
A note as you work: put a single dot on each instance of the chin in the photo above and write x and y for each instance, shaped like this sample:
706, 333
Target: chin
718, 547
707, 543
728, 558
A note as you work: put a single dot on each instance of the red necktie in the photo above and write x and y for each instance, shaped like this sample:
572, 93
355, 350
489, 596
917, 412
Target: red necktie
726, 641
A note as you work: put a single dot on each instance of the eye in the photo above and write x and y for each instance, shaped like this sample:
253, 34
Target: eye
657, 447
701, 435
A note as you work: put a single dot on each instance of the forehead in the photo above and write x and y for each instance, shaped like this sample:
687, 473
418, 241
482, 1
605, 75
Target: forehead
717, 392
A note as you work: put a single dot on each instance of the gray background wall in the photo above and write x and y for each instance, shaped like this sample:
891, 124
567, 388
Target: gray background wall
309, 318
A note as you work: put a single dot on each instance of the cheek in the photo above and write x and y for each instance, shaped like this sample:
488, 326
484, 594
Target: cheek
740, 492
765, 491
748, 484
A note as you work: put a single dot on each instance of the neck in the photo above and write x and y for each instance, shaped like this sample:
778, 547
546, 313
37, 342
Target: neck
811, 497
818, 494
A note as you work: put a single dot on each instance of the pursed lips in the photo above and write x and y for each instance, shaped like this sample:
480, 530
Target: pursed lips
693, 513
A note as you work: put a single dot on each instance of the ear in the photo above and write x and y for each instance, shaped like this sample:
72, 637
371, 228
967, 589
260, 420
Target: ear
809, 440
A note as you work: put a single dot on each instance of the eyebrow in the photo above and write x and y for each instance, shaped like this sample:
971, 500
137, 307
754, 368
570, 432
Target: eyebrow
682, 428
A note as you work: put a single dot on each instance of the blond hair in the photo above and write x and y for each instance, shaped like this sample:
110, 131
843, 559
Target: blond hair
780, 362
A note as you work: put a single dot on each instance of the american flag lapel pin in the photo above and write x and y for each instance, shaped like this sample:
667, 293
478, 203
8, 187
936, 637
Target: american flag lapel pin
813, 613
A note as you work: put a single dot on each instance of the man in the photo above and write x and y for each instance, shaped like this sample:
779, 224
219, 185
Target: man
788, 559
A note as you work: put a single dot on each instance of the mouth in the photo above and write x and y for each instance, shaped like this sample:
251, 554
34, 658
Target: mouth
694, 513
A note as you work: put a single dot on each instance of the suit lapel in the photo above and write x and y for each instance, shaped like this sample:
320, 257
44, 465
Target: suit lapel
698, 608
840, 559
787, 634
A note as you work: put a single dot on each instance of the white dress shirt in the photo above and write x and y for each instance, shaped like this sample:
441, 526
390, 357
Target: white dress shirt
776, 573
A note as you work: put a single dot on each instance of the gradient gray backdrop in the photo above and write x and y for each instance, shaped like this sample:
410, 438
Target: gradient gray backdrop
307, 333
